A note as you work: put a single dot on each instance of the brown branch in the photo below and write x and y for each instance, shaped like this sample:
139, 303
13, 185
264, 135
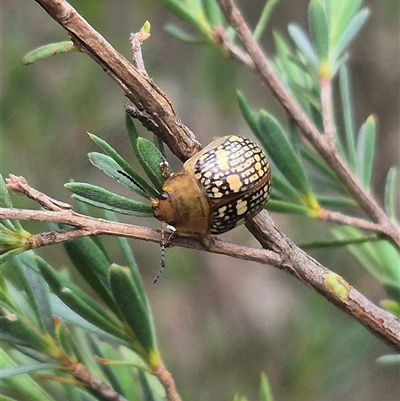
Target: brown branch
271, 81
327, 110
343, 219
91, 382
166, 380
150, 100
138, 88
89, 226
281, 253
298, 263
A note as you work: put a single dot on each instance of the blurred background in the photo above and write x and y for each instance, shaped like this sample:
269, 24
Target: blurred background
220, 321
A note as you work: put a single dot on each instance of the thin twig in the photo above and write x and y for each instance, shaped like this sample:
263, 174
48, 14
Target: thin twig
327, 110
270, 80
166, 380
90, 226
343, 219
138, 88
136, 40
281, 253
91, 382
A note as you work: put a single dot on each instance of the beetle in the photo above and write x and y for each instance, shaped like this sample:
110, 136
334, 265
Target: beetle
219, 188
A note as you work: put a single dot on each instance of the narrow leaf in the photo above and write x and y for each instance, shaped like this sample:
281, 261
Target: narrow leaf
318, 21
4, 373
15, 325
274, 140
264, 18
5, 201
131, 306
111, 168
213, 13
286, 207
49, 50
350, 32
126, 251
348, 116
391, 192
366, 151
104, 199
249, 116
340, 14
150, 159
110, 151
387, 360
178, 33
280, 186
393, 289
78, 300
265, 389
93, 266
38, 295
24, 387
303, 44
68, 315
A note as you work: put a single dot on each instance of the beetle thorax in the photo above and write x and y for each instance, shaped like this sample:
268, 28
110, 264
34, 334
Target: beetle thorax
183, 205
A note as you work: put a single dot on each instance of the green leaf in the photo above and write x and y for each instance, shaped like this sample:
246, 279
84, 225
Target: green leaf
391, 306
366, 151
123, 165
282, 187
148, 394
4, 373
265, 389
6, 256
38, 296
213, 13
150, 159
249, 116
5, 398
339, 242
192, 14
264, 18
185, 37
15, 325
69, 316
104, 199
79, 301
126, 251
303, 44
329, 202
274, 140
340, 14
134, 311
393, 359
65, 339
286, 207
350, 33
93, 265
5, 201
348, 116
112, 169
391, 192
24, 387
318, 21
393, 289
49, 50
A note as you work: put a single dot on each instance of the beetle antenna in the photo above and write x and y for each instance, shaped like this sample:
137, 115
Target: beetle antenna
162, 244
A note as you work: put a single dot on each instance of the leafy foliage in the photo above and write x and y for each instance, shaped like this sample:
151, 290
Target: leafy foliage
49, 322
